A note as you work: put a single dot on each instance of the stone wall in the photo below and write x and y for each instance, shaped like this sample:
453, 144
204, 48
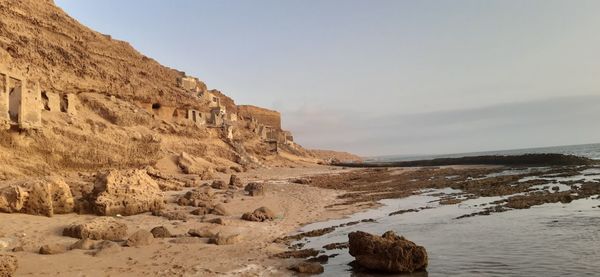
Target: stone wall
263, 116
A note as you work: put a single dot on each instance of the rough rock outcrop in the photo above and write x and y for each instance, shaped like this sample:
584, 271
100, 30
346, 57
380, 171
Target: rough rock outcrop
388, 253
125, 192
218, 184
8, 265
219, 209
46, 196
103, 228
189, 165
255, 189
261, 214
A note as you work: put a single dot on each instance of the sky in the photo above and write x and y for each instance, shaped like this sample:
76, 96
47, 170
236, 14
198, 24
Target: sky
384, 77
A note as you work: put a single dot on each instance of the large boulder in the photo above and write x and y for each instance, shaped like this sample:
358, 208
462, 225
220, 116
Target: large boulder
45, 196
8, 265
125, 192
388, 253
103, 228
261, 214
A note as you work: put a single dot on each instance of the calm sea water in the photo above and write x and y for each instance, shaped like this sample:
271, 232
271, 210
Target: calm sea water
547, 240
591, 151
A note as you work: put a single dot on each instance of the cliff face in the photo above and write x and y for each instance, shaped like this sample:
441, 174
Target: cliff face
263, 116
41, 40
102, 104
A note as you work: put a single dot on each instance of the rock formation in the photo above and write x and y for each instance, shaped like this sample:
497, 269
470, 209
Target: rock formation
388, 253
261, 214
102, 228
47, 196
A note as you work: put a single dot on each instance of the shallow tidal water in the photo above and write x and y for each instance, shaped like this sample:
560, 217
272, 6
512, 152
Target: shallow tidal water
547, 240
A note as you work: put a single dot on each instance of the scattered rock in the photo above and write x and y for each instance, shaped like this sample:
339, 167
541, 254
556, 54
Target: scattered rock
83, 244
223, 239
255, 189
140, 238
307, 268
189, 165
186, 240
125, 192
102, 228
219, 209
322, 259
389, 253
555, 188
201, 197
336, 245
218, 184
203, 233
161, 232
18, 249
8, 265
235, 181
172, 215
218, 220
201, 211
261, 214
51, 249
304, 253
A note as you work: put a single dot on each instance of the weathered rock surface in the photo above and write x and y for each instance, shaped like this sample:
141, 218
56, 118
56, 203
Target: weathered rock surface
255, 189
261, 214
126, 192
102, 228
388, 253
307, 268
201, 233
8, 265
45, 196
219, 209
161, 232
140, 238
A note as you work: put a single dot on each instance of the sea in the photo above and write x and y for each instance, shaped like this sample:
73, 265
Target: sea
591, 151
547, 240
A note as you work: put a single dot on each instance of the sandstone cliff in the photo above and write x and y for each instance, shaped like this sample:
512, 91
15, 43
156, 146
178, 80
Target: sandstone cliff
100, 104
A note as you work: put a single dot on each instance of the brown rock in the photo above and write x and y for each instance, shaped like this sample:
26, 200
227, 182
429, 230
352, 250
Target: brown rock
201, 197
172, 215
201, 211
186, 240
218, 184
203, 233
140, 238
388, 253
223, 239
161, 232
302, 181
219, 209
235, 181
308, 268
218, 220
261, 214
8, 265
46, 196
126, 192
102, 228
51, 249
189, 165
303, 253
255, 189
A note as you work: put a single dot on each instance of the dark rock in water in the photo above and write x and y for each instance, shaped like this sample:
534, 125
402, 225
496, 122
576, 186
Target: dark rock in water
322, 259
389, 253
304, 253
336, 245
307, 268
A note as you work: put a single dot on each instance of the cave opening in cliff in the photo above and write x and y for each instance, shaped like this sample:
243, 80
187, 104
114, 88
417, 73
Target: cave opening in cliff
14, 98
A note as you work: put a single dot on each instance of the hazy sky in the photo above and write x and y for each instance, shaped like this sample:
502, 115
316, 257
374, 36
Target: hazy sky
379, 77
